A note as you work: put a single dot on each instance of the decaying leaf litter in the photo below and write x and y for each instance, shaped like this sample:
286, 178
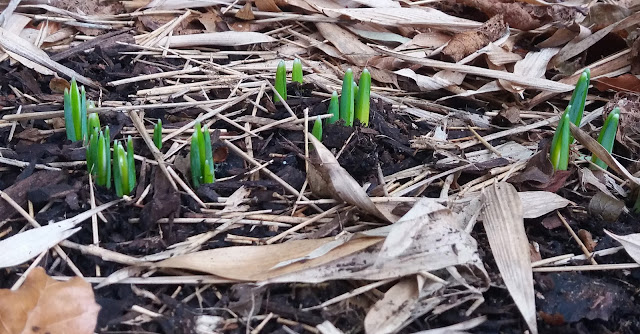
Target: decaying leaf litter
443, 214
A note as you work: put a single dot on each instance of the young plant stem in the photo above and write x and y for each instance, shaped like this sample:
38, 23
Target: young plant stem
157, 134
196, 174
334, 108
131, 166
607, 136
578, 99
281, 81
296, 71
107, 150
362, 105
316, 131
560, 144
102, 161
347, 99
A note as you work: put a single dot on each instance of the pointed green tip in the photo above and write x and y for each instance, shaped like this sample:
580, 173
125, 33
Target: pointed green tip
282, 63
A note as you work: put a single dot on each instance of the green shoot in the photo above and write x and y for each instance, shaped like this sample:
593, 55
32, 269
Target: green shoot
334, 108
75, 112
131, 166
124, 172
362, 104
296, 72
317, 129
94, 122
99, 157
607, 135
157, 134
201, 156
560, 144
347, 98
578, 99
281, 81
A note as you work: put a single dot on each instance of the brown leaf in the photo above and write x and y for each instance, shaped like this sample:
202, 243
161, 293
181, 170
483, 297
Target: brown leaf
468, 42
587, 239
504, 224
58, 85
245, 13
605, 206
624, 83
328, 178
267, 6
635, 57
538, 174
347, 43
44, 305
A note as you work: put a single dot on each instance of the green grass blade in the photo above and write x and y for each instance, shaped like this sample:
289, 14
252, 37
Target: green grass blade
196, 174
94, 121
157, 134
317, 129
281, 81
296, 71
123, 169
201, 145
68, 116
117, 177
207, 172
560, 145
76, 110
101, 161
92, 151
578, 99
363, 104
83, 114
208, 154
347, 99
131, 166
334, 108
607, 136
107, 152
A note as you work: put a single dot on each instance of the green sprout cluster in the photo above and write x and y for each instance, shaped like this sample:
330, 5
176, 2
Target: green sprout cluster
201, 156
607, 135
562, 139
281, 77
354, 101
75, 112
100, 164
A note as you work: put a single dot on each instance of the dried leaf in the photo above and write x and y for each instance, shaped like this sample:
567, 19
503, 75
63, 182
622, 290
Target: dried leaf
534, 65
467, 42
328, 178
630, 242
412, 17
623, 83
504, 224
44, 305
224, 38
245, 13
390, 312
427, 83
181, 4
435, 243
606, 207
24, 246
539, 203
258, 263
347, 43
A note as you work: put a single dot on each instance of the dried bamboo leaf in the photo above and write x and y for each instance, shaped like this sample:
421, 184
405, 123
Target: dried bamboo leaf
328, 178
413, 17
630, 242
504, 224
225, 38
539, 203
181, 4
12, 43
389, 313
534, 65
347, 43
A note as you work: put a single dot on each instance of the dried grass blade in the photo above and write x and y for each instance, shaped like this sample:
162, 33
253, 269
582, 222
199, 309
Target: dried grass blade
504, 224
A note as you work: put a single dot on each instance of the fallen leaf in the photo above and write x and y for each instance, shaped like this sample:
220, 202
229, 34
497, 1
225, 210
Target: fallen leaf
347, 43
327, 178
224, 38
388, 314
245, 13
412, 17
587, 239
504, 224
623, 83
58, 85
539, 203
630, 242
44, 305
467, 42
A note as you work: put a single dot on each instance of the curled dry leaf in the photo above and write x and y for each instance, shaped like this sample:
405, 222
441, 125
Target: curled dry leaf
467, 42
328, 178
605, 206
630, 242
44, 305
504, 223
